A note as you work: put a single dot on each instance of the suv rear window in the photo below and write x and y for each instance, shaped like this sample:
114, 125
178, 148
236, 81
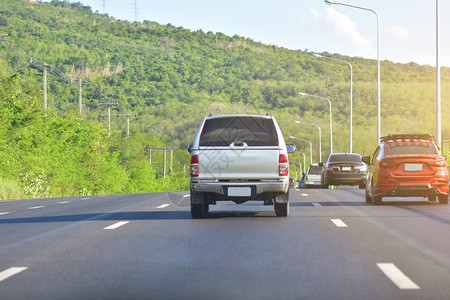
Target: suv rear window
413, 147
253, 131
335, 158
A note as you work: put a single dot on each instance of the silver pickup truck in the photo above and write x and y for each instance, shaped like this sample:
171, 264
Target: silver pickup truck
239, 158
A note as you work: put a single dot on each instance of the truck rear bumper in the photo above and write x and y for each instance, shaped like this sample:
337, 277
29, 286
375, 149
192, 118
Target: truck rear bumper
221, 188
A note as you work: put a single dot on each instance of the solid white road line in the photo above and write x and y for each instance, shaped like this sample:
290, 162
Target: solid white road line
11, 272
117, 225
339, 223
163, 206
316, 204
4, 213
35, 207
397, 276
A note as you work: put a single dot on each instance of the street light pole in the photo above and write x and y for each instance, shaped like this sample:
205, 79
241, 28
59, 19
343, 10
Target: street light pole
438, 83
304, 158
320, 137
330, 2
351, 95
331, 122
310, 145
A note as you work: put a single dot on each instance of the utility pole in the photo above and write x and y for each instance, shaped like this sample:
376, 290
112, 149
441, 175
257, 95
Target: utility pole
45, 87
44, 80
128, 120
109, 114
80, 106
165, 149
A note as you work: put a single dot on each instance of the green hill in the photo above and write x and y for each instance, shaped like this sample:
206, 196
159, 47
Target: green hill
172, 77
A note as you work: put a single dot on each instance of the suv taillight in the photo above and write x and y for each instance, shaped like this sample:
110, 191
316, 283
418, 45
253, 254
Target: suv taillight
194, 166
284, 165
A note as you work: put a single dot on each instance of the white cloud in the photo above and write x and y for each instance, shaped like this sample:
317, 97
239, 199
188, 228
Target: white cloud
317, 16
399, 33
347, 31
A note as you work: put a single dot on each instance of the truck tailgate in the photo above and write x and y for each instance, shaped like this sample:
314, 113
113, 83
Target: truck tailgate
252, 163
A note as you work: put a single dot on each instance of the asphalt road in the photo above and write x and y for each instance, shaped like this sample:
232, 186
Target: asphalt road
146, 246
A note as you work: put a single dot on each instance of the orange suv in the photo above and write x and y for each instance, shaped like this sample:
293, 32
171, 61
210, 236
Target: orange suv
406, 165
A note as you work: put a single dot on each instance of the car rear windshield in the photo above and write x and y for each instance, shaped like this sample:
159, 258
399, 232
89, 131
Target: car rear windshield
253, 131
413, 147
336, 158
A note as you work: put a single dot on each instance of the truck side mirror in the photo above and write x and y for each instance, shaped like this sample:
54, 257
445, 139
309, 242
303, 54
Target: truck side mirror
366, 160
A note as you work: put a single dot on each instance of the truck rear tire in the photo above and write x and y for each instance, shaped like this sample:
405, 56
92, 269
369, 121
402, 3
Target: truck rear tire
199, 207
282, 208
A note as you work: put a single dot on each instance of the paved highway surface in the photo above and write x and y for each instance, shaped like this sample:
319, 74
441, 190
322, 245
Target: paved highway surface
146, 246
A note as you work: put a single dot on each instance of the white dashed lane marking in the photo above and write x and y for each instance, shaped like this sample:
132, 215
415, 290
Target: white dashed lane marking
397, 276
4, 213
35, 207
11, 272
163, 206
316, 204
117, 225
64, 202
339, 223
305, 195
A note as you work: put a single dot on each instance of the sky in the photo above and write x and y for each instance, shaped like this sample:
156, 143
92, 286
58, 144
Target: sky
407, 28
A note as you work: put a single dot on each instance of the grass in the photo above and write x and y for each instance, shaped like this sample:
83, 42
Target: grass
10, 189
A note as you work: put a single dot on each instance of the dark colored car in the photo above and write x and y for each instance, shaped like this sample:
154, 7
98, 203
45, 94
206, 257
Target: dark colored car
344, 169
406, 165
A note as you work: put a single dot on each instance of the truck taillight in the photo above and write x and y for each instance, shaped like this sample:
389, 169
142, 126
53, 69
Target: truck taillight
194, 166
284, 165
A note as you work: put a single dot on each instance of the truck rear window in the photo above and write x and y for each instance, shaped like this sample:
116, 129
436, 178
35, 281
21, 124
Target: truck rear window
251, 130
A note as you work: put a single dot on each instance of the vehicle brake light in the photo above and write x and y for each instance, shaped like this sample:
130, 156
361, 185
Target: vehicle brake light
361, 168
194, 166
283, 165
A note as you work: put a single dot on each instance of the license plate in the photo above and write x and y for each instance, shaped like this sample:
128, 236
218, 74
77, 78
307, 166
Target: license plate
239, 191
413, 167
346, 168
